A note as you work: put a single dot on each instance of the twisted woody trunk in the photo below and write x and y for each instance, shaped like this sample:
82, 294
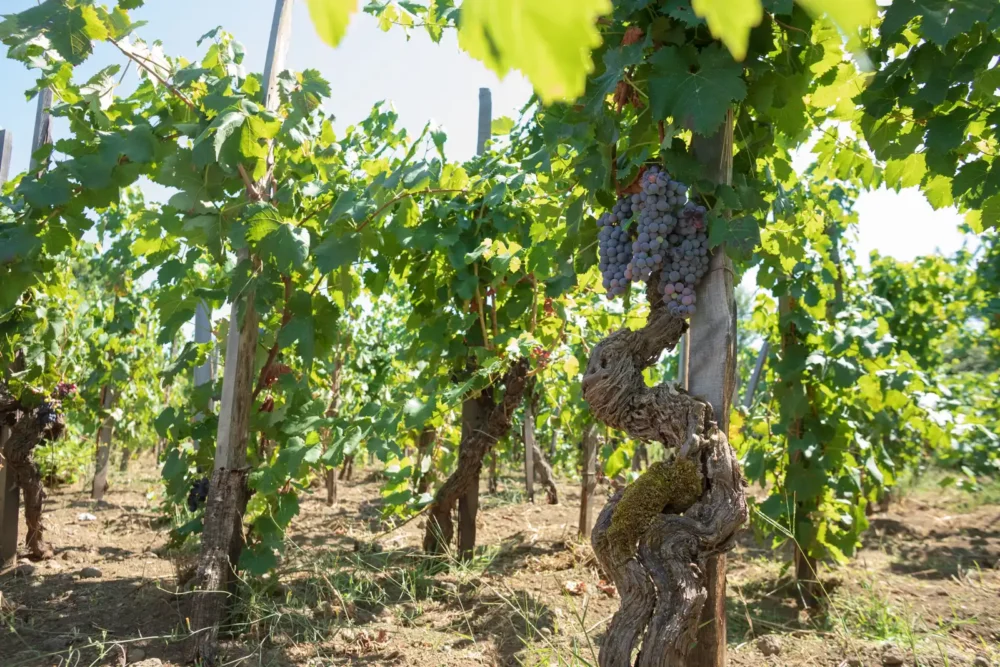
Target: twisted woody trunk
655, 537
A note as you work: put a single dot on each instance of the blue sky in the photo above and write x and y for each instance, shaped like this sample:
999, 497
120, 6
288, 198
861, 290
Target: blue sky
425, 82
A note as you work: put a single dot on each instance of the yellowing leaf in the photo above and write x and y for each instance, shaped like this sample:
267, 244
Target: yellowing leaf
453, 177
572, 367
549, 41
730, 21
849, 15
330, 17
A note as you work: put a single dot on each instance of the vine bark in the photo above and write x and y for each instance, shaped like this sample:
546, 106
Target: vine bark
657, 545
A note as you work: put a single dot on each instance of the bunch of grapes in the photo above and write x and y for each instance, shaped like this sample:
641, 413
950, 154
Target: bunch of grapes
198, 494
686, 262
669, 239
614, 246
657, 205
64, 389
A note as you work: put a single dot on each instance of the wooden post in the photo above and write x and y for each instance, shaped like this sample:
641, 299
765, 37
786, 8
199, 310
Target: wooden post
6, 149
474, 410
755, 377
485, 120
103, 446
222, 534
528, 435
9, 492
589, 483
43, 125
712, 376
683, 362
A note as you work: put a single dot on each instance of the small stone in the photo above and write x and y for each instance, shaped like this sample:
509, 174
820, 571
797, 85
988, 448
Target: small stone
25, 570
136, 654
892, 656
86, 516
148, 662
769, 645
348, 635
980, 661
448, 586
546, 631
852, 662
90, 573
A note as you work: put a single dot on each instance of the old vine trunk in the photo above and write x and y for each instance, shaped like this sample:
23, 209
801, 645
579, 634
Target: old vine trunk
655, 537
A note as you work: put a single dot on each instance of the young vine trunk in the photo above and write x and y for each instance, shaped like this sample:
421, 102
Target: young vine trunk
484, 421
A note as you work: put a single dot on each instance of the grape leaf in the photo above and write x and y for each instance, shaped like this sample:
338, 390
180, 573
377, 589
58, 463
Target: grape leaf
940, 20
335, 252
847, 14
730, 21
330, 18
550, 42
695, 88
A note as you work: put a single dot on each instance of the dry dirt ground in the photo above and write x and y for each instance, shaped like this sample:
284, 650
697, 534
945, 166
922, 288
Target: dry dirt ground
925, 590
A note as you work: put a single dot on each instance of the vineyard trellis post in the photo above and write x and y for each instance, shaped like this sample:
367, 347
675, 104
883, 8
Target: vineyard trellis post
758, 369
589, 481
528, 436
222, 534
203, 374
711, 371
102, 457
9, 492
474, 410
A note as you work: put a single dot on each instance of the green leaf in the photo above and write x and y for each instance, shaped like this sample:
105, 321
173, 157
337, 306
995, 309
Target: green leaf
330, 18
616, 463
335, 252
940, 20
905, 173
730, 21
288, 246
696, 89
221, 129
550, 42
849, 15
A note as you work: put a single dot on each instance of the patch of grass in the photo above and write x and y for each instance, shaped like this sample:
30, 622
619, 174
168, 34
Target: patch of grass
870, 614
950, 489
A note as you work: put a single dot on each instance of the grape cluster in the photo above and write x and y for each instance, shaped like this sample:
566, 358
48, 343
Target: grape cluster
198, 494
669, 239
614, 246
687, 261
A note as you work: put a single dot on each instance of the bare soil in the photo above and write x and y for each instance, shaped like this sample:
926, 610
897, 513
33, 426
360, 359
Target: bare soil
925, 589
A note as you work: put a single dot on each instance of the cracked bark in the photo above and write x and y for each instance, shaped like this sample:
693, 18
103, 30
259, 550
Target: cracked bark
662, 576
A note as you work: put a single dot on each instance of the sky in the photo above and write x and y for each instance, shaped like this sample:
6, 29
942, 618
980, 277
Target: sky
425, 82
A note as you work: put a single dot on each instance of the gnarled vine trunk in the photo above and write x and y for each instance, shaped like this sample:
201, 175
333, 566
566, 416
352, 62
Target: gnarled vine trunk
28, 428
655, 537
462, 485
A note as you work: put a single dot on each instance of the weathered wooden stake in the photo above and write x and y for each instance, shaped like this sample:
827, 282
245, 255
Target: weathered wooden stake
589, 480
9, 492
474, 410
222, 534
712, 377
103, 455
528, 435
755, 377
